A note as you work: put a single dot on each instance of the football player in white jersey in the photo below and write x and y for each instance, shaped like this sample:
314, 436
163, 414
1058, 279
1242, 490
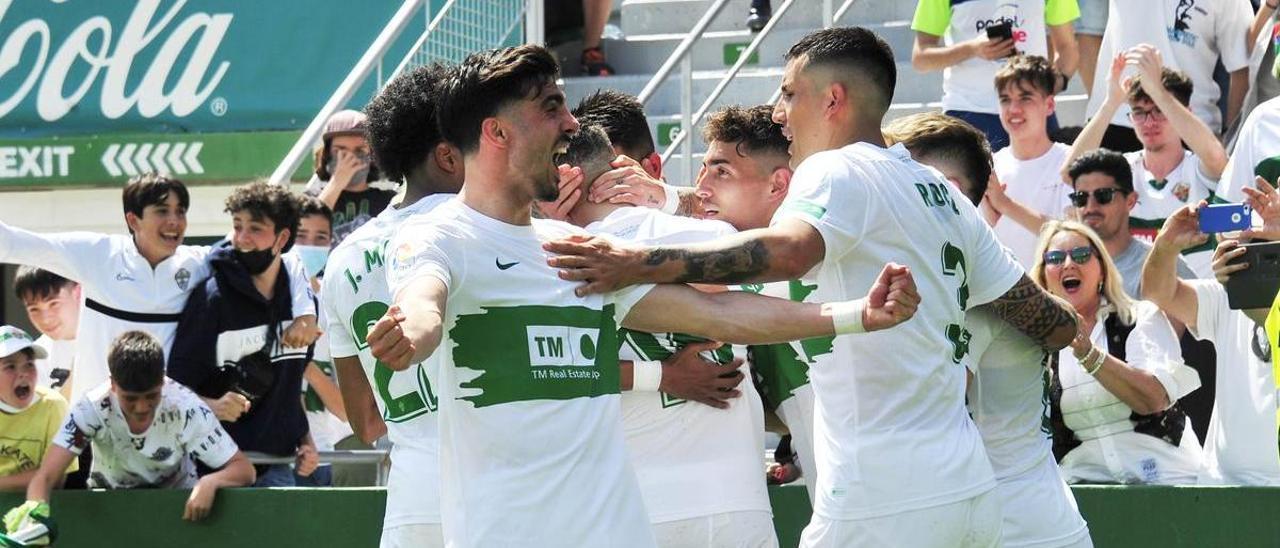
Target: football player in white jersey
1007, 395
532, 451
745, 177
895, 445
401, 404
698, 466
140, 280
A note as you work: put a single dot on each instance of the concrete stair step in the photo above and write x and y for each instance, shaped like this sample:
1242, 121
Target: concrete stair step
666, 16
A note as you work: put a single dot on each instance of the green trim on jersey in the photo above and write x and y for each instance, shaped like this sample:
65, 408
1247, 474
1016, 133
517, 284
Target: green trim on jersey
1152, 227
536, 352
398, 408
780, 369
932, 17
660, 346
1060, 12
310, 398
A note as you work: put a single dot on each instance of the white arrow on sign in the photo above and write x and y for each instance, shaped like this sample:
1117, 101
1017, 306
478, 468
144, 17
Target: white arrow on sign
129, 159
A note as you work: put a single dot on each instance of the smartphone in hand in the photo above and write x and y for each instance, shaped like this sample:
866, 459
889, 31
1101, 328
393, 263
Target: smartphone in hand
1215, 218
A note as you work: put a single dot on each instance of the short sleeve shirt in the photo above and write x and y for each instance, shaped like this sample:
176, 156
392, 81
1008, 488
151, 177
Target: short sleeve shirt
25, 436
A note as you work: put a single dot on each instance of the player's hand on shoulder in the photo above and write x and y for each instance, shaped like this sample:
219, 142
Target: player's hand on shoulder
687, 375
893, 298
602, 264
388, 342
628, 183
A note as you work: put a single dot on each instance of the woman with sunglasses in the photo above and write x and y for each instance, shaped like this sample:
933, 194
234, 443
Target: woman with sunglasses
1114, 391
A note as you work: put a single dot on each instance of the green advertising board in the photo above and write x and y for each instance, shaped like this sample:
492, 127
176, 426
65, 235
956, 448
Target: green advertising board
93, 91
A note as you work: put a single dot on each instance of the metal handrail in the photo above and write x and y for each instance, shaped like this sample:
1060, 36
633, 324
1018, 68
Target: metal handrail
347, 89
422, 40
727, 79
681, 50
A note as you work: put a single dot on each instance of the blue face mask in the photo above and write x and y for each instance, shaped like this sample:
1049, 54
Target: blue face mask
313, 258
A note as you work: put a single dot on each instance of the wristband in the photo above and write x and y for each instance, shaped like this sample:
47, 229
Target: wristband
673, 199
846, 316
646, 376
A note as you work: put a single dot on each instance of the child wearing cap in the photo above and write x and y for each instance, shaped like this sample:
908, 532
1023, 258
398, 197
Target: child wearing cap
344, 162
29, 414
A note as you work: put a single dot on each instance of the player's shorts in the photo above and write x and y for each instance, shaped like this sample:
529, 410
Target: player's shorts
727, 530
970, 523
418, 535
1040, 511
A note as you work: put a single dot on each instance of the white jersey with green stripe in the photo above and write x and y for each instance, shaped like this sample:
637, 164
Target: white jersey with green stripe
692, 460
1157, 200
782, 373
532, 449
355, 295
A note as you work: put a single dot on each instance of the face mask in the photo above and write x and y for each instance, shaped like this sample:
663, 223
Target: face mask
256, 261
313, 258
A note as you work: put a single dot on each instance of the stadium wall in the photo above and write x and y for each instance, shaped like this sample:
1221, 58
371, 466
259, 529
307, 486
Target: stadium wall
1118, 516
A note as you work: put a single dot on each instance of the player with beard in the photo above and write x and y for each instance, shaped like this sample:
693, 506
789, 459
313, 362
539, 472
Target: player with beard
532, 446
400, 404
895, 445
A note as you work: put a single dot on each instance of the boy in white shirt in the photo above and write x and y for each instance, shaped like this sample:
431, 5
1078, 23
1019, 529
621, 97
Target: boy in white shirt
145, 430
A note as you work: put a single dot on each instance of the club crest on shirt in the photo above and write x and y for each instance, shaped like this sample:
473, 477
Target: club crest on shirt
182, 277
1182, 191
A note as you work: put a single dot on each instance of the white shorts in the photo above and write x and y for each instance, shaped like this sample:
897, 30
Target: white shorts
970, 523
1040, 511
418, 535
728, 530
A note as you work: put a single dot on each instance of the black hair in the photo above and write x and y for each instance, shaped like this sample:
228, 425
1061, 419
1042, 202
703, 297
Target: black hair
402, 127
264, 200
751, 130
591, 150
309, 205
136, 362
37, 283
1106, 162
622, 117
484, 84
852, 50
152, 188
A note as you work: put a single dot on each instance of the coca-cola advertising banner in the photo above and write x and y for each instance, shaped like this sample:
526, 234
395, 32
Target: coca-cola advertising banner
92, 91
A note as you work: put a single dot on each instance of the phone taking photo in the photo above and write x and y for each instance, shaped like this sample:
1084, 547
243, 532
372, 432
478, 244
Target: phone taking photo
1215, 218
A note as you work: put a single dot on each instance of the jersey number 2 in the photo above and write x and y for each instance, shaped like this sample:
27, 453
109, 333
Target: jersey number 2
400, 407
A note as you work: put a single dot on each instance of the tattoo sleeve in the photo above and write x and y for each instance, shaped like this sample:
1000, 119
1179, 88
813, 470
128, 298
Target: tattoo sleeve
741, 262
1036, 314
688, 200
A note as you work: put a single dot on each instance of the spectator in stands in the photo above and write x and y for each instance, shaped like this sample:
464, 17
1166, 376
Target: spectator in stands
595, 15
53, 307
1165, 175
138, 281
1193, 36
758, 17
1114, 392
30, 414
326, 416
1026, 170
146, 431
970, 55
345, 165
1102, 185
1241, 443
228, 339
1089, 28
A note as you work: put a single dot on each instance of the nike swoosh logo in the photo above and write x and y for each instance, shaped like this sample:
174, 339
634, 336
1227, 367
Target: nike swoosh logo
504, 266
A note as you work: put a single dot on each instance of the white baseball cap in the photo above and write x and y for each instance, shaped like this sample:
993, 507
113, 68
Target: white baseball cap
13, 340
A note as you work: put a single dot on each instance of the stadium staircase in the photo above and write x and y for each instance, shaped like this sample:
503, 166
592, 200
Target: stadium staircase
652, 29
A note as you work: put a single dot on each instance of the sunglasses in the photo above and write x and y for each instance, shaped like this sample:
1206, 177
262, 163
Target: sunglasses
1080, 198
1079, 255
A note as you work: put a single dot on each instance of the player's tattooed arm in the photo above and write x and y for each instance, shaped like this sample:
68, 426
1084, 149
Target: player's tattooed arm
1037, 314
781, 252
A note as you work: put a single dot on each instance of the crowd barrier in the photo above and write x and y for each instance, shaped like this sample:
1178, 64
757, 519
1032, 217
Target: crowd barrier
1119, 516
